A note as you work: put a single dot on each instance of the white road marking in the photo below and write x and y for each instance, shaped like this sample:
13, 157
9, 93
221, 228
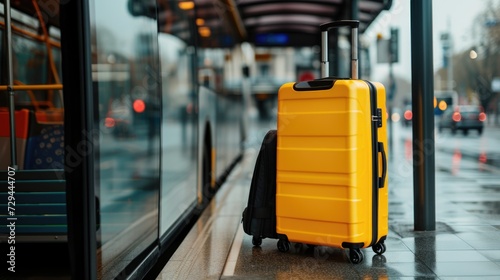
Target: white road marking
234, 253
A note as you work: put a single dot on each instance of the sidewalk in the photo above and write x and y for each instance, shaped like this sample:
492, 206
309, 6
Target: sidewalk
465, 244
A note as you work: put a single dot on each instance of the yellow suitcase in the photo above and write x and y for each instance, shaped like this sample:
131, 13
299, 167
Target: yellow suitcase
332, 160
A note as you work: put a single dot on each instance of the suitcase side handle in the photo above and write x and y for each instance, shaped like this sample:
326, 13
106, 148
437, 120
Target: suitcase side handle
384, 165
325, 27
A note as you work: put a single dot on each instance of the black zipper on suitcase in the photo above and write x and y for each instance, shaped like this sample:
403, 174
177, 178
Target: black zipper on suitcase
376, 122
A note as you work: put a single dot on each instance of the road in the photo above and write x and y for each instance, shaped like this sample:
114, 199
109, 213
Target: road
457, 153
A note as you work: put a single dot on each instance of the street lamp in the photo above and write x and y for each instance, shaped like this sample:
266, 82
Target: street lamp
473, 54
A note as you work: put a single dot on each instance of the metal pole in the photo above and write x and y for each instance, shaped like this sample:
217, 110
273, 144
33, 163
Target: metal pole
450, 58
355, 74
423, 117
10, 81
354, 54
390, 105
325, 66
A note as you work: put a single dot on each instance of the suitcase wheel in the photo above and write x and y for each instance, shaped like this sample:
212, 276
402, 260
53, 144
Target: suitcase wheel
256, 241
355, 255
283, 245
379, 248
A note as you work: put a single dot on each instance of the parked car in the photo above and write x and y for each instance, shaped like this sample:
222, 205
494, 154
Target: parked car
463, 117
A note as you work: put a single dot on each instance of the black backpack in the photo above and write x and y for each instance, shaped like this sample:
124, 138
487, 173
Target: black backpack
259, 217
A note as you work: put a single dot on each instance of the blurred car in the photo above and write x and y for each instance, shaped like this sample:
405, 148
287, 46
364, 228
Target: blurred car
407, 115
463, 117
119, 118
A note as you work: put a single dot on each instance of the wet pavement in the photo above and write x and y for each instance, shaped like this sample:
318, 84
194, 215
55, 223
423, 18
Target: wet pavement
465, 244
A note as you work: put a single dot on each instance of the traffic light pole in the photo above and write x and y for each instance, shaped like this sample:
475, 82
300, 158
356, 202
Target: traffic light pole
423, 116
393, 57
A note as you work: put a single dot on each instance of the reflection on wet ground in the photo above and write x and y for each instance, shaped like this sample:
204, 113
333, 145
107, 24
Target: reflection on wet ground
465, 243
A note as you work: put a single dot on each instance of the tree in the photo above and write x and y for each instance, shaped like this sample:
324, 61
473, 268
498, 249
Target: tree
475, 68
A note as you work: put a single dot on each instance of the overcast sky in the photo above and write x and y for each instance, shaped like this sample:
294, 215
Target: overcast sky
456, 15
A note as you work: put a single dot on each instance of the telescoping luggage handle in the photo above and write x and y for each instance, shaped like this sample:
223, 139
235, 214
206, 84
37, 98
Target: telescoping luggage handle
325, 27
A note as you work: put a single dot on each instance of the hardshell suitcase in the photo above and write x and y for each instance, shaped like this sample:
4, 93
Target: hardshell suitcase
332, 161
259, 217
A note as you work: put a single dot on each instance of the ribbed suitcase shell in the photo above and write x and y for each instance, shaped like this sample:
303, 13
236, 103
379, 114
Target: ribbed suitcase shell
325, 189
